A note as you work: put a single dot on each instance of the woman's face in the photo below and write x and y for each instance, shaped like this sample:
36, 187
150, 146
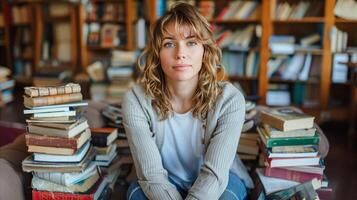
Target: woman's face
181, 55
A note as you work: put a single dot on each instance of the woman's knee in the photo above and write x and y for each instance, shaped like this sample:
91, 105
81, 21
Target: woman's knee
235, 190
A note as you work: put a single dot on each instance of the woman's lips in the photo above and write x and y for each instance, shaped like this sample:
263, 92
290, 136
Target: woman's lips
181, 66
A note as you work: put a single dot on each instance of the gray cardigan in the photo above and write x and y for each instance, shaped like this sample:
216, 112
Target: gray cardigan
222, 132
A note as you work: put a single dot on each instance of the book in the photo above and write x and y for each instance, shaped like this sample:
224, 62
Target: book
290, 174
102, 137
32, 102
287, 119
72, 104
64, 120
271, 185
106, 157
287, 162
106, 163
275, 133
82, 186
68, 178
44, 143
54, 114
273, 142
77, 157
301, 191
48, 91
59, 130
30, 165
99, 191
58, 109
106, 149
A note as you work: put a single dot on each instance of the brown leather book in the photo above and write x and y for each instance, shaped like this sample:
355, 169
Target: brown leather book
51, 100
57, 142
47, 91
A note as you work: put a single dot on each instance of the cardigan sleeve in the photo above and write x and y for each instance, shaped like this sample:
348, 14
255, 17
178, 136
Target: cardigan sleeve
213, 176
152, 177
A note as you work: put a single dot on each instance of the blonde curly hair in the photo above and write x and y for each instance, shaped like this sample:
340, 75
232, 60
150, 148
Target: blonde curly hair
153, 77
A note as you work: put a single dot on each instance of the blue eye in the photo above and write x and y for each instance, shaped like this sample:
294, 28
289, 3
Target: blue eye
168, 44
191, 43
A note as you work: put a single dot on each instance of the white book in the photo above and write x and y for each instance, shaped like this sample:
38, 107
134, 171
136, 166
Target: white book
340, 70
55, 114
75, 104
289, 162
77, 157
68, 178
59, 109
304, 74
103, 163
292, 155
271, 185
294, 67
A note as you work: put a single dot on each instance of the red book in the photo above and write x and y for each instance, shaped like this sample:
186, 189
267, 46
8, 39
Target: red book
99, 191
325, 193
291, 175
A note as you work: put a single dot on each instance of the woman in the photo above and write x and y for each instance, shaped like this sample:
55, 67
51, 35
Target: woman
182, 124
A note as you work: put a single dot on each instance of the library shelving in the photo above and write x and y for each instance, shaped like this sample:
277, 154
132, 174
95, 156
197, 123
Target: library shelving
300, 19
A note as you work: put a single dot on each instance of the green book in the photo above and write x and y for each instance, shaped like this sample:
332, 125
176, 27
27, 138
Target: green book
292, 141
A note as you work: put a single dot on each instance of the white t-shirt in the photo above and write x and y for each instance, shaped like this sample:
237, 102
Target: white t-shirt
182, 149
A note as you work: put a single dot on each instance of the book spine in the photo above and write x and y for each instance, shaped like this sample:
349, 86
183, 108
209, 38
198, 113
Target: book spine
46, 195
47, 91
99, 140
293, 141
291, 175
39, 140
52, 100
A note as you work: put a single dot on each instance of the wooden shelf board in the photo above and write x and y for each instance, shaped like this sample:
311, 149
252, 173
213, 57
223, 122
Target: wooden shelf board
303, 20
345, 21
106, 47
101, 21
235, 21
242, 78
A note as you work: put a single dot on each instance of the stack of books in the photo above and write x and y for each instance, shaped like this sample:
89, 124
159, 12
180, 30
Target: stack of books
248, 148
103, 140
114, 117
59, 139
289, 144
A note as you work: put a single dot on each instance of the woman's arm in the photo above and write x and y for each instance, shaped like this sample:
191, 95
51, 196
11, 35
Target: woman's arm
213, 177
152, 177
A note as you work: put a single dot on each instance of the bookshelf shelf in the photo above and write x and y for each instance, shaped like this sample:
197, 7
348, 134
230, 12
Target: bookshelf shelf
242, 78
236, 21
121, 47
102, 21
345, 21
300, 21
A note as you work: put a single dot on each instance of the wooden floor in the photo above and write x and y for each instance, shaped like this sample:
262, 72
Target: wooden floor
341, 162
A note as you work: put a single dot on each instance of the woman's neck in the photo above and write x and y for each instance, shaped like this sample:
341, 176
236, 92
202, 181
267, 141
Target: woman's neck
182, 95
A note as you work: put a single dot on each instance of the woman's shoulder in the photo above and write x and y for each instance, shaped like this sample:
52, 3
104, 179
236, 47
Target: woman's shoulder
137, 93
229, 91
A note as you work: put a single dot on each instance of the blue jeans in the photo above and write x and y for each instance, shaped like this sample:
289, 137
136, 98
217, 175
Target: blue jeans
235, 190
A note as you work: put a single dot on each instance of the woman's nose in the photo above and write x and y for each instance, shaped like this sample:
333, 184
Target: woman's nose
181, 52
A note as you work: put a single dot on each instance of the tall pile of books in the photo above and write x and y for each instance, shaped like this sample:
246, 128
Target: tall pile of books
114, 117
103, 140
59, 138
248, 148
289, 144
